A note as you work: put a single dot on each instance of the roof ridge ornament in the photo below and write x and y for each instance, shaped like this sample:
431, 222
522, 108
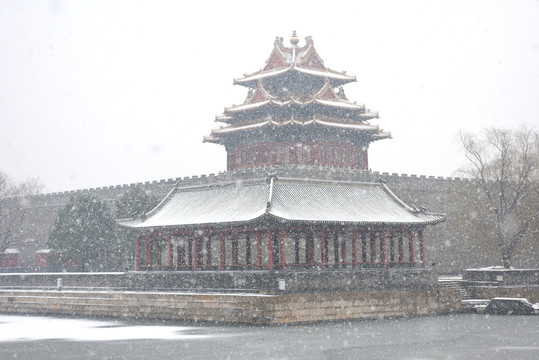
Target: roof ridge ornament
271, 178
340, 93
279, 42
271, 175
294, 40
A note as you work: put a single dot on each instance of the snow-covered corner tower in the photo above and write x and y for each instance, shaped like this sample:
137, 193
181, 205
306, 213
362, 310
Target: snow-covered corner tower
296, 112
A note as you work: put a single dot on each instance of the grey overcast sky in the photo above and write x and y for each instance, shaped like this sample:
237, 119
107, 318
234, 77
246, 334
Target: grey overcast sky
98, 93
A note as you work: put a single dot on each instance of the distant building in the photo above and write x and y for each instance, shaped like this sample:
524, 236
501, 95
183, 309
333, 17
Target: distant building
10, 258
296, 114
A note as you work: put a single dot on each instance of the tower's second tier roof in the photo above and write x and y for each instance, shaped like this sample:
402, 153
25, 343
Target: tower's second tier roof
261, 103
276, 109
372, 132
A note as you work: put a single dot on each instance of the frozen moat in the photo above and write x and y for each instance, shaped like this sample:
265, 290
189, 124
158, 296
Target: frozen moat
465, 336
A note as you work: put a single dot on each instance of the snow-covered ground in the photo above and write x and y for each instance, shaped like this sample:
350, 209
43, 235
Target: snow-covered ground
459, 337
26, 328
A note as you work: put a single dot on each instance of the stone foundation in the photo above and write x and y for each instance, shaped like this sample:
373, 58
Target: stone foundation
232, 308
488, 292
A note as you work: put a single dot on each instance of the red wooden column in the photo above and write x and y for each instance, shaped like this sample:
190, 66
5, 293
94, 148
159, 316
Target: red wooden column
146, 250
170, 251
311, 247
401, 247
235, 250
181, 260
151, 251
138, 253
411, 246
336, 255
383, 246
422, 249
373, 247
270, 251
222, 235
380, 235
158, 251
343, 249
363, 247
195, 252
248, 257
176, 254
322, 248
208, 250
258, 251
391, 247
354, 247
295, 233
282, 251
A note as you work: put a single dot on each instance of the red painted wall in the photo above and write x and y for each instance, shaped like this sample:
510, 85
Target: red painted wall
42, 259
297, 153
9, 260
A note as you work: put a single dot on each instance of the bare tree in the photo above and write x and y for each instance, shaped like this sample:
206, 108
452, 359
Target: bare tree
505, 164
13, 204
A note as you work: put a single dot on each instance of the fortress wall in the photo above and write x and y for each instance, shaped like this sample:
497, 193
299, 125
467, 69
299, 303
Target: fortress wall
451, 245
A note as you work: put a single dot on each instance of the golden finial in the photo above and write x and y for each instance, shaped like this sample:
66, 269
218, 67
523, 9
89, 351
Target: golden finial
294, 40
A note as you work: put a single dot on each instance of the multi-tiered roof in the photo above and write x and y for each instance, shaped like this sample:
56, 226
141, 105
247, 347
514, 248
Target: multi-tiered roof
296, 101
295, 113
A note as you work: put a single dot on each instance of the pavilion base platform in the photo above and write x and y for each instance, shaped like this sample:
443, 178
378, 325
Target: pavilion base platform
232, 308
252, 297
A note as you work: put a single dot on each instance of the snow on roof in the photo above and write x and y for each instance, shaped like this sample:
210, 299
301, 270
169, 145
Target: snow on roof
341, 104
251, 106
365, 203
339, 125
230, 129
11, 251
261, 104
261, 75
362, 126
328, 73
252, 79
295, 200
226, 203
